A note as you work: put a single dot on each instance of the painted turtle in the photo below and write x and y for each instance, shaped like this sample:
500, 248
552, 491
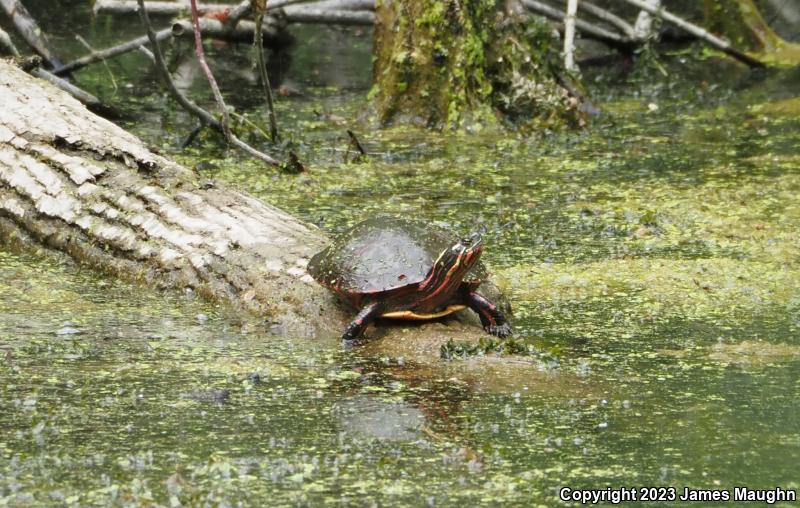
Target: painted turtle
405, 269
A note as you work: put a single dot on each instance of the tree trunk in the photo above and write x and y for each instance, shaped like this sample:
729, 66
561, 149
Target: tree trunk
442, 64
73, 182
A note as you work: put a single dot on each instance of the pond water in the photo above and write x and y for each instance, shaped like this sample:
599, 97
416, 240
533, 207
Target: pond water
652, 263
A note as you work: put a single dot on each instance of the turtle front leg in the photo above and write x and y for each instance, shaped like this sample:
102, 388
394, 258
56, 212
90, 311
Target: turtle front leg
492, 319
365, 316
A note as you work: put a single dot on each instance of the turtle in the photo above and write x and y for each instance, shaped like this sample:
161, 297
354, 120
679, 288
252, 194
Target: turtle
400, 268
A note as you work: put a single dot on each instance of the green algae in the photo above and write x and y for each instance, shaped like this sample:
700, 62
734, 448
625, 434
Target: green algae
651, 261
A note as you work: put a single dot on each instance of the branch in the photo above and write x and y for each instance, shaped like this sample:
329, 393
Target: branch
7, 44
187, 104
90, 101
260, 7
105, 54
303, 14
698, 32
29, 30
226, 120
644, 27
587, 28
244, 31
609, 17
569, 35
154, 7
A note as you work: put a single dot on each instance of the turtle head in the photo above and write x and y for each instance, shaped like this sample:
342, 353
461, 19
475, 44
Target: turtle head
452, 264
465, 252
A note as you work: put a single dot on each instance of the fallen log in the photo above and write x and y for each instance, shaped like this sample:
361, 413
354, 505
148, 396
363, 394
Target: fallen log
75, 183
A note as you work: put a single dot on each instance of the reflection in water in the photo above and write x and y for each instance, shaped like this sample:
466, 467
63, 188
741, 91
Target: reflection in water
375, 418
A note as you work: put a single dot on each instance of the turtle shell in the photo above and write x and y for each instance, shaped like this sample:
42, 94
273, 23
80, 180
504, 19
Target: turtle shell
384, 254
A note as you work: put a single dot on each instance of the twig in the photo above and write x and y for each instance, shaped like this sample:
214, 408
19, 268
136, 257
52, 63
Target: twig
698, 32
585, 27
32, 67
29, 30
226, 119
190, 106
260, 7
91, 102
5, 42
569, 36
201, 59
608, 17
97, 56
105, 64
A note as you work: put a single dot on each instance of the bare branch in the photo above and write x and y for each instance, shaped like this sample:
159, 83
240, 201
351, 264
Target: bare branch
7, 44
243, 32
303, 14
244, 9
154, 7
569, 35
587, 28
698, 32
644, 27
226, 119
609, 17
187, 104
105, 54
260, 7
29, 30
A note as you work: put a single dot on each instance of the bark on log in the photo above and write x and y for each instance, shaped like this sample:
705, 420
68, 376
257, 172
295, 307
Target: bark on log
73, 182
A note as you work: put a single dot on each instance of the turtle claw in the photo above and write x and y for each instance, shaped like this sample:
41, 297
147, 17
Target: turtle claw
501, 331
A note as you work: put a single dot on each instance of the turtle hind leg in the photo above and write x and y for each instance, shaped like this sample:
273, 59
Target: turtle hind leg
365, 316
492, 319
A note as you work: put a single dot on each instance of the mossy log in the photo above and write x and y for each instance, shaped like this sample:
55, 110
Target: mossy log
75, 183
